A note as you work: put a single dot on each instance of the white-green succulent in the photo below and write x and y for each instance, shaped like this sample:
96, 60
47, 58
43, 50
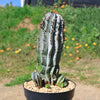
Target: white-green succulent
49, 48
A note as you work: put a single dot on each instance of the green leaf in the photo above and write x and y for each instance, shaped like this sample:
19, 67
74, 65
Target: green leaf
47, 86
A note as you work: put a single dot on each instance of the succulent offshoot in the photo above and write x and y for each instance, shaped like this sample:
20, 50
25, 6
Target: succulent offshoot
49, 48
47, 86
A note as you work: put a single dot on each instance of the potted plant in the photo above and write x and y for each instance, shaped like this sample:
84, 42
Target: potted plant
47, 83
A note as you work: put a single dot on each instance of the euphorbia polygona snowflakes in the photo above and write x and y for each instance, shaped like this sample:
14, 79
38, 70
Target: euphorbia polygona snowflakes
50, 44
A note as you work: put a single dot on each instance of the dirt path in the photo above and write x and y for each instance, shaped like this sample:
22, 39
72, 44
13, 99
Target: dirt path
82, 92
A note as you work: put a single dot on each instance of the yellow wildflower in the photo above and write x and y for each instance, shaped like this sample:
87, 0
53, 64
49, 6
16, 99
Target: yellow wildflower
71, 60
77, 47
34, 47
8, 49
65, 38
28, 45
73, 39
64, 54
77, 51
80, 46
86, 45
67, 47
66, 5
54, 11
62, 6
77, 58
1, 51
77, 43
16, 51
20, 50
8, 70
64, 2
70, 54
64, 29
94, 44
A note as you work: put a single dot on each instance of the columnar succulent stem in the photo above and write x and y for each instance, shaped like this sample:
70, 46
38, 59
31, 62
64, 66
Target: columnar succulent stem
50, 44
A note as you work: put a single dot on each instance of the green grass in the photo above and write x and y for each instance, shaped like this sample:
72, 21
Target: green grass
19, 80
86, 71
82, 24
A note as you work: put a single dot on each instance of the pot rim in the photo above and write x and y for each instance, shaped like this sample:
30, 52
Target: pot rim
50, 93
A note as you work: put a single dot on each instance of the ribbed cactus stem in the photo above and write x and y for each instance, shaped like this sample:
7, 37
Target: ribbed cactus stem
50, 44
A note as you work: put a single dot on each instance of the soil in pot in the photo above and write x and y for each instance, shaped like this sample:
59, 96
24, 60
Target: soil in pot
30, 85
